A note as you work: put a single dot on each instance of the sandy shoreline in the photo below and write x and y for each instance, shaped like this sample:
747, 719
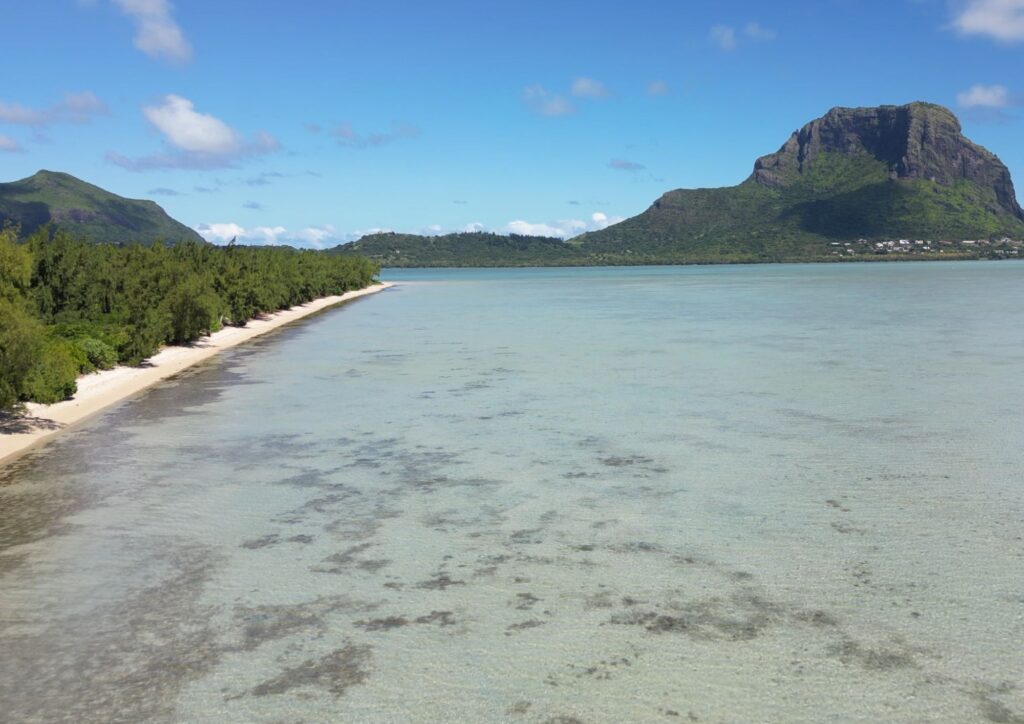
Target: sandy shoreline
102, 389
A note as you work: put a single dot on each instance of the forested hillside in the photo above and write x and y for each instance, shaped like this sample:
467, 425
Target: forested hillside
61, 201
68, 306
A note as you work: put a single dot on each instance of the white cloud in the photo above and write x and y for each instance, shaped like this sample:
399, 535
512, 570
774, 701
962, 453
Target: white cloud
474, 227
197, 140
265, 235
190, 130
526, 228
564, 228
984, 96
348, 137
1002, 20
156, 33
657, 88
540, 101
9, 145
588, 88
317, 237
758, 32
724, 37
73, 108
220, 233
600, 220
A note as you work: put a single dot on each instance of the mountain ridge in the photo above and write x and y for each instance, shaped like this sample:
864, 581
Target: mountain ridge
86, 210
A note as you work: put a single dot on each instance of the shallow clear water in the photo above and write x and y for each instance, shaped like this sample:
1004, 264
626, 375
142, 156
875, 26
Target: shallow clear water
761, 493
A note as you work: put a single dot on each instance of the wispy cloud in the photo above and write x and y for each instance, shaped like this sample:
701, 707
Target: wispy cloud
589, 88
541, 101
72, 108
204, 190
727, 37
156, 33
1001, 20
263, 178
163, 191
9, 145
254, 205
621, 164
657, 88
724, 37
195, 140
347, 136
984, 96
756, 31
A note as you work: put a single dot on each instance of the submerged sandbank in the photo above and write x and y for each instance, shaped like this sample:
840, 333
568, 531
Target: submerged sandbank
102, 389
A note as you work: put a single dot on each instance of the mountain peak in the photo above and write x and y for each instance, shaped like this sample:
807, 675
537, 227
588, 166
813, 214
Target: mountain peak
914, 141
60, 199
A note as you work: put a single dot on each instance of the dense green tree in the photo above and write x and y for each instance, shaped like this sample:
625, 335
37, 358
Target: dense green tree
193, 310
52, 377
15, 266
70, 306
21, 342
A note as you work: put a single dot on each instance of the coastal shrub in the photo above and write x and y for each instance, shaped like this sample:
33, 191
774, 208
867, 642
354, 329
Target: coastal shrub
111, 333
100, 355
52, 377
78, 355
194, 311
21, 342
142, 336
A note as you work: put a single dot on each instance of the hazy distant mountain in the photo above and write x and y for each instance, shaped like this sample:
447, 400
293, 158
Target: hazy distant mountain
856, 173
86, 210
463, 249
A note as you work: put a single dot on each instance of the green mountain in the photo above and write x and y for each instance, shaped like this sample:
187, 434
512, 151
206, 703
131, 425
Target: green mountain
856, 173
68, 203
841, 185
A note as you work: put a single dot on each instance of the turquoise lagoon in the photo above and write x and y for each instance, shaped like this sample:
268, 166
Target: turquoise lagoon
786, 493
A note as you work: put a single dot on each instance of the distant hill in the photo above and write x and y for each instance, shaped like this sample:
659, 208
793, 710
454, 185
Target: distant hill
68, 203
465, 249
857, 175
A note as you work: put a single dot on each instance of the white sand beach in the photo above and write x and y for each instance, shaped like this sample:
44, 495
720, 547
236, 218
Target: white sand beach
100, 390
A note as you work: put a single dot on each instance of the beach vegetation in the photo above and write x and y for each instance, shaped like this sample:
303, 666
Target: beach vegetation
70, 306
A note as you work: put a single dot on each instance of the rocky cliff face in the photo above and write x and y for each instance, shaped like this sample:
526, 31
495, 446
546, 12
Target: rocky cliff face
915, 141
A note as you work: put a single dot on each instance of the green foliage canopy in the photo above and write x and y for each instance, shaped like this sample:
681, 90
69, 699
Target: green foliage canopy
68, 306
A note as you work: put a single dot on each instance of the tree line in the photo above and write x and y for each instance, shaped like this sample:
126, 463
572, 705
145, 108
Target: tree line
68, 306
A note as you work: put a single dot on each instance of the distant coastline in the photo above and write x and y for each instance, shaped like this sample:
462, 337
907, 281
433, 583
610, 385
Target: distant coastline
100, 390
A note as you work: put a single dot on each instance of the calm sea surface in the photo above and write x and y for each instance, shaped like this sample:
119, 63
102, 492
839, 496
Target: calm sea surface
719, 494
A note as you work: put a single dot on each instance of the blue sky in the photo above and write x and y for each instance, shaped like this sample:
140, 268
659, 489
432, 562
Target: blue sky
312, 122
